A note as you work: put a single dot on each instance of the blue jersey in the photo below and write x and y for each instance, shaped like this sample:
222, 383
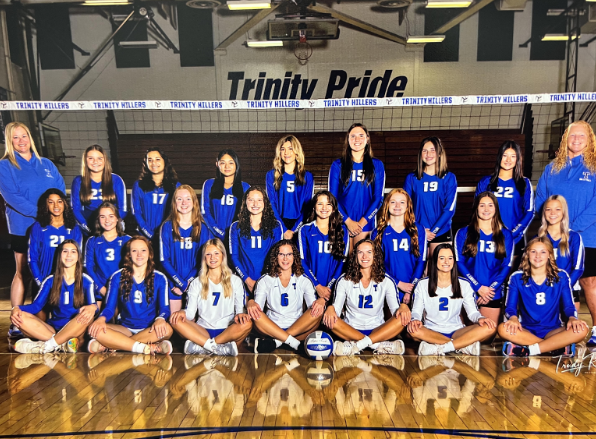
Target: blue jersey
181, 260
102, 259
291, 200
434, 200
219, 214
539, 306
573, 261
319, 264
85, 212
64, 311
517, 210
358, 199
149, 208
400, 262
250, 254
43, 242
484, 269
137, 312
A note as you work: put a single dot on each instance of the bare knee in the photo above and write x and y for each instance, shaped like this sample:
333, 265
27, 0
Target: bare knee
588, 284
245, 327
502, 332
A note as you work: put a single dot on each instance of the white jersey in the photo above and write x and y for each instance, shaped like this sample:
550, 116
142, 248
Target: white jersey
442, 389
217, 311
364, 306
212, 393
285, 396
284, 304
442, 313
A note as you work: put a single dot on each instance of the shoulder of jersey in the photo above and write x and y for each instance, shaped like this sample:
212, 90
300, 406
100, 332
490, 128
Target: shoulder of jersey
49, 278
390, 279
116, 273
234, 278
342, 278
265, 278
234, 224
157, 272
517, 273
302, 278
89, 278
563, 272
463, 279
117, 177
245, 186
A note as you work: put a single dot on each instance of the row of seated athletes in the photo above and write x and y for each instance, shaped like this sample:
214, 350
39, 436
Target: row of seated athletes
539, 295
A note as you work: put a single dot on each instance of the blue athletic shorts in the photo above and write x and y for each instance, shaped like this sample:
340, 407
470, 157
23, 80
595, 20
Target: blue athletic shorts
215, 332
539, 331
366, 332
449, 335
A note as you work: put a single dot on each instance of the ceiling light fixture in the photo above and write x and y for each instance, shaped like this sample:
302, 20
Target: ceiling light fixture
447, 4
243, 5
557, 37
421, 39
272, 43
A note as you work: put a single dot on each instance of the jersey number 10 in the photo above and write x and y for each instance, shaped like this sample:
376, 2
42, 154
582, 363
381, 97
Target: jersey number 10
324, 247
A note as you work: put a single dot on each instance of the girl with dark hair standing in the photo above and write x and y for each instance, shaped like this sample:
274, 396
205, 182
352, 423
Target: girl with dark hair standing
95, 185
433, 190
151, 193
141, 295
357, 180
484, 252
68, 294
253, 235
55, 224
221, 195
438, 301
324, 244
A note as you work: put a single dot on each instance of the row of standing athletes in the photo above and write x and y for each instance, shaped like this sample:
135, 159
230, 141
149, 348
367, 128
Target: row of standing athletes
484, 249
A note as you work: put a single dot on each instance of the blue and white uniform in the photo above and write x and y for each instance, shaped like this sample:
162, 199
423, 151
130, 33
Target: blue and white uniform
400, 262
517, 210
149, 208
358, 199
538, 307
137, 313
249, 254
43, 242
434, 200
21, 189
64, 311
291, 200
484, 269
102, 260
319, 264
573, 261
181, 260
84, 212
219, 214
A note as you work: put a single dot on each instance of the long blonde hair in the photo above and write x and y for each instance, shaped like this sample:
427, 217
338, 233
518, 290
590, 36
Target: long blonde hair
564, 224
9, 153
197, 218
278, 163
226, 273
561, 158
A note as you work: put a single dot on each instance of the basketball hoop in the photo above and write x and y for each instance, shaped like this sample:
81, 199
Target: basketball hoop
302, 50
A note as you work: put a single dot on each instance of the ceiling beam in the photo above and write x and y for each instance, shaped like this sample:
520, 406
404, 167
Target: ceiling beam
256, 19
471, 10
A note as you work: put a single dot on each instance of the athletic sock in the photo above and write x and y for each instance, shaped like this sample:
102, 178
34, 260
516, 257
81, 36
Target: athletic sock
364, 343
50, 345
278, 343
448, 347
375, 345
138, 348
138, 360
210, 345
294, 344
534, 349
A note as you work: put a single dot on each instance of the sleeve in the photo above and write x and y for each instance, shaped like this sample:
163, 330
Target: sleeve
278, 233
587, 216
567, 295
505, 266
336, 186
120, 191
511, 302
41, 298
419, 297
470, 302
206, 210
89, 264
234, 251
77, 235
421, 261
192, 305
450, 200
9, 187
391, 295
136, 200
525, 220
111, 300
309, 291
89, 291
77, 206
165, 256
273, 196
35, 238
460, 239
260, 295
163, 298
408, 187
340, 295
379, 191
542, 192
308, 193
302, 245
482, 185
239, 296
578, 255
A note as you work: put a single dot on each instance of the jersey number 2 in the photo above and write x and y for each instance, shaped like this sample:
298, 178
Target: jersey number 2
443, 304
365, 301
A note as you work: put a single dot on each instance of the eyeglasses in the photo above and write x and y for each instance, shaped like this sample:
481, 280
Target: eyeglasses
286, 255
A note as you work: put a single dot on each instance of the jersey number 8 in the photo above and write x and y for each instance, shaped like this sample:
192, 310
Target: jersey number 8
186, 244
540, 298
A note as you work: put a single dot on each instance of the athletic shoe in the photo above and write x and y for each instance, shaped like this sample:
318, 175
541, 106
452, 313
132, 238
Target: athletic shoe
264, 345
28, 346
513, 350
394, 361
191, 348
471, 360
509, 363
166, 363
592, 341
390, 348
341, 348
191, 361
161, 347
228, 362
348, 361
426, 361
14, 332
567, 352
473, 349
430, 349
226, 349
25, 360
70, 347
94, 347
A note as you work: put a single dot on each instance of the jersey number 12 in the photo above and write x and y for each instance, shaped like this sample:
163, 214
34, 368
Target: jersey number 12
365, 301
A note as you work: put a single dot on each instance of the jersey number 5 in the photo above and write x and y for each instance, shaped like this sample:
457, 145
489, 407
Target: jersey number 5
290, 186
365, 301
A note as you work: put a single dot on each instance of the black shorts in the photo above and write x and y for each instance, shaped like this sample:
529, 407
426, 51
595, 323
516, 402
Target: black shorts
445, 237
576, 295
19, 244
289, 223
498, 303
590, 262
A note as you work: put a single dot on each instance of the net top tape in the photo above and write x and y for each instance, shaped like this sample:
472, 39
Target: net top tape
545, 98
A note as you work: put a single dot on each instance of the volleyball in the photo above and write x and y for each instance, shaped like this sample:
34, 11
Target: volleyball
319, 374
318, 345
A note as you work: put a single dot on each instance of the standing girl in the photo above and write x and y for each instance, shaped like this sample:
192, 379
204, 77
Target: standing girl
151, 193
484, 250
103, 251
433, 190
357, 181
95, 185
567, 244
289, 186
253, 235
141, 295
180, 241
324, 244
68, 294
220, 195
55, 223
403, 242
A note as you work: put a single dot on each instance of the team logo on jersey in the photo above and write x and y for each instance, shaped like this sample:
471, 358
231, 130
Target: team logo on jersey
375, 287
120, 242
294, 286
49, 173
586, 177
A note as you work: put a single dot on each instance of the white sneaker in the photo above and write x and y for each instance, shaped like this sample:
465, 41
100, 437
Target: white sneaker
340, 363
26, 360
191, 348
341, 348
28, 346
424, 362
473, 349
430, 349
390, 348
191, 361
471, 360
226, 349
161, 347
395, 361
